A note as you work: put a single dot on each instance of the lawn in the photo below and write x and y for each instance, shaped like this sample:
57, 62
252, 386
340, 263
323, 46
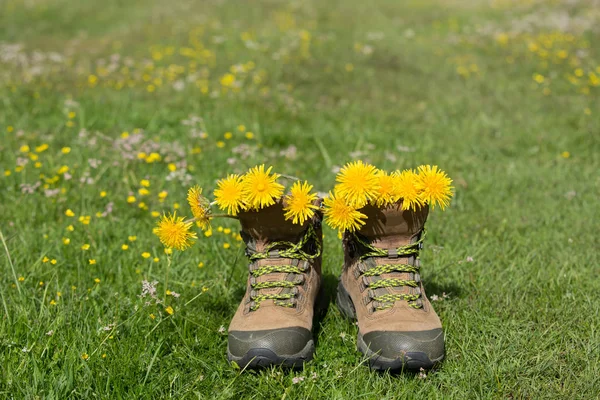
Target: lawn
110, 111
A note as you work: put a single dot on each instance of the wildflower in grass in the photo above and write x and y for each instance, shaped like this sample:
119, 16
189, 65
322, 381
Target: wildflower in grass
41, 283
249, 135
124, 247
155, 214
260, 187
162, 195
208, 233
97, 280
358, 183
227, 231
52, 302
21, 279
169, 310
226, 245
435, 185
299, 203
70, 228
200, 207
407, 189
53, 261
85, 246
92, 261
65, 150
145, 254
131, 199
143, 192
168, 251
145, 183
174, 232
340, 215
200, 264
85, 356
66, 241
386, 189
565, 154
69, 213
103, 193
45, 259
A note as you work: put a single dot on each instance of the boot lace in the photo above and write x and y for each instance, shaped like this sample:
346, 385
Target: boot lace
307, 248
387, 300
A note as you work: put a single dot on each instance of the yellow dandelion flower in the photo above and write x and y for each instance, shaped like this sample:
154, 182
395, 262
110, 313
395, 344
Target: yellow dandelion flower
260, 188
340, 215
358, 183
299, 203
173, 231
200, 206
169, 310
229, 195
407, 189
386, 189
435, 185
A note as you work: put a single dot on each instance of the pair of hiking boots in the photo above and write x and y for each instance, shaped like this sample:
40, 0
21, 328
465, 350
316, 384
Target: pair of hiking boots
380, 287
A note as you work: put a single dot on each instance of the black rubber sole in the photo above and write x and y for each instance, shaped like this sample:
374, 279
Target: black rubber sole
262, 358
410, 361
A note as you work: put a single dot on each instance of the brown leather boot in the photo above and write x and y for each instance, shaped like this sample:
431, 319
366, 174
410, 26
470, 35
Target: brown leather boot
380, 286
273, 324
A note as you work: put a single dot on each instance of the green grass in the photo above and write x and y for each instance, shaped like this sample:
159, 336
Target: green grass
521, 319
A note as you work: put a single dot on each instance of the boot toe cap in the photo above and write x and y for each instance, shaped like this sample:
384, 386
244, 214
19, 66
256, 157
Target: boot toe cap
284, 346
416, 349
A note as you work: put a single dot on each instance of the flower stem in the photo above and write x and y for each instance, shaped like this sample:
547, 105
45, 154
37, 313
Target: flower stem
167, 277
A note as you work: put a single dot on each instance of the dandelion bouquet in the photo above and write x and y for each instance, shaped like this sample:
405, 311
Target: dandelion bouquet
360, 184
258, 188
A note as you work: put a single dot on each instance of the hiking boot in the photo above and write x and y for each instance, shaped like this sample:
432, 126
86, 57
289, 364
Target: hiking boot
273, 324
380, 286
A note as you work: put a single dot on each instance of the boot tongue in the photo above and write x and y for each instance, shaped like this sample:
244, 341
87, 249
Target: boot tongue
392, 227
269, 225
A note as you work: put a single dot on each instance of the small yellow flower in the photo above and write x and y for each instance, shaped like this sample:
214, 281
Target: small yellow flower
58, 294
103, 193
172, 167
226, 245
152, 316
169, 310
200, 264
41, 148
358, 183
124, 247
71, 114
145, 183
155, 214
65, 150
565, 154
41, 283
53, 261
408, 189
163, 195
63, 170
70, 228
168, 251
103, 355
52, 302
387, 189
220, 144
45, 259
200, 206
227, 231
143, 192
21, 279
340, 215
260, 188
229, 194
174, 232
92, 261
69, 213
435, 185
299, 203
241, 128
85, 356
66, 241
131, 199
249, 135
132, 238
208, 233
97, 280
24, 149
145, 254
85, 247
155, 259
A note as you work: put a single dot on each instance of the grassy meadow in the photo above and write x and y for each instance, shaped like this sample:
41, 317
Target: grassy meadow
110, 110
